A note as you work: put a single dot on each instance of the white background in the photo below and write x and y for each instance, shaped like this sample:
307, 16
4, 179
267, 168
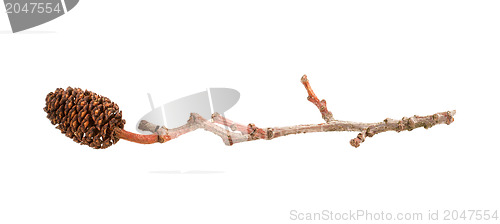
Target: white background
369, 60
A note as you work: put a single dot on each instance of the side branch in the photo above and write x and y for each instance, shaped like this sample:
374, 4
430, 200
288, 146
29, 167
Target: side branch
321, 105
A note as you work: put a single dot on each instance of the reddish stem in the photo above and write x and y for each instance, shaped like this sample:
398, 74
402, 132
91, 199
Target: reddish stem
251, 129
321, 105
137, 138
219, 119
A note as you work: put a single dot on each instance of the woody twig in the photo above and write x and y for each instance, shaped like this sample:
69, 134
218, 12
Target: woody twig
236, 133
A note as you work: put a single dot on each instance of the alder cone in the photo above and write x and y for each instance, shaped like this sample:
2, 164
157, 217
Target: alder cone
84, 116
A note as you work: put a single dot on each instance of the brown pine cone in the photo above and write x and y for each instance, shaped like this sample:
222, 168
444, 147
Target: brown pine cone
84, 116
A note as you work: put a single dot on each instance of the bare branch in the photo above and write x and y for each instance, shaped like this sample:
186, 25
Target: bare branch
241, 133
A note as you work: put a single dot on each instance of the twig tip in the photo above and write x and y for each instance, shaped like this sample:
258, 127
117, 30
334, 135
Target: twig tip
304, 79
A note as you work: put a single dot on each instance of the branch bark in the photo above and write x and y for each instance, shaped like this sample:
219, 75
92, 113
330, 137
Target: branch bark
242, 133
